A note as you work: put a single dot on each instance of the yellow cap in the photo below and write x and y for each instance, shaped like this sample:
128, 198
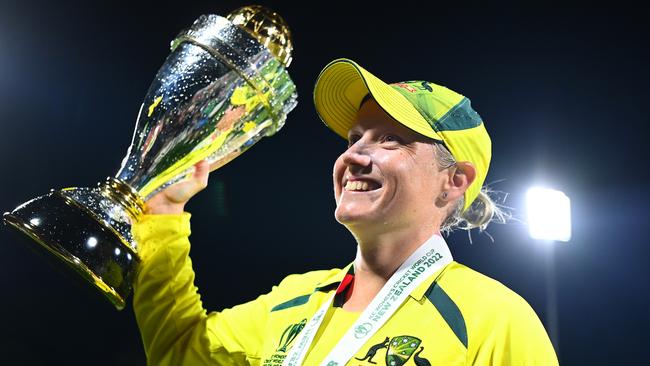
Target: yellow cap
426, 108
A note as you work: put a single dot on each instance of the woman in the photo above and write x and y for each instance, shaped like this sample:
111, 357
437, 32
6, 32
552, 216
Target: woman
417, 158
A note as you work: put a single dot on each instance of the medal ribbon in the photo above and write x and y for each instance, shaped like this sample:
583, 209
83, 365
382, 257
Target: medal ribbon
425, 261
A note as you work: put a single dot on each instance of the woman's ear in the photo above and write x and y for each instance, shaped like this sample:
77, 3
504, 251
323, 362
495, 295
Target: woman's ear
466, 172
464, 175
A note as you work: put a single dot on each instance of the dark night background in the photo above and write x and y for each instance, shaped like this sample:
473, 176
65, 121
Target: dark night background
564, 98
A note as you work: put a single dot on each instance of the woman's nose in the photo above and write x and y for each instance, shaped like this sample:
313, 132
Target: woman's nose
355, 155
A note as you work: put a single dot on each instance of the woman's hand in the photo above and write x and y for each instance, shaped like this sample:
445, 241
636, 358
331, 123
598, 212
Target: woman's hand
172, 200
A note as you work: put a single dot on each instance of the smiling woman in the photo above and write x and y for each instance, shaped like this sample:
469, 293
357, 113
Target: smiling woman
415, 164
478, 215
401, 165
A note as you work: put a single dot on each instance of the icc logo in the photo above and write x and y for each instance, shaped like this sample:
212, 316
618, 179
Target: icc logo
290, 335
362, 330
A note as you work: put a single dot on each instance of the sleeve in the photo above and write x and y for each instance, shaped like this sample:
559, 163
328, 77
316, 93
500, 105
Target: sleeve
515, 336
175, 328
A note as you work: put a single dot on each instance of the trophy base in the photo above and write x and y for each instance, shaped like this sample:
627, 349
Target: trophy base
74, 235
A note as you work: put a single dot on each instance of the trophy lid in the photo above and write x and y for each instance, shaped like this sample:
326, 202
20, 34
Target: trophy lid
267, 27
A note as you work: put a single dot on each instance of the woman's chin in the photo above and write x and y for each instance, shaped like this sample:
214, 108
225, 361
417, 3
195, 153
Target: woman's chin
351, 218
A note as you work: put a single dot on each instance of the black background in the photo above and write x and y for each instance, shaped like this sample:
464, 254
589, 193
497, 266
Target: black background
563, 94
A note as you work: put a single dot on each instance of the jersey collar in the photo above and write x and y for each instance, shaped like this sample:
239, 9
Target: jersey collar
335, 277
333, 281
419, 292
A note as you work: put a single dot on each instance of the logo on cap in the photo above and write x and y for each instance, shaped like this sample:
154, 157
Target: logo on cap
406, 87
414, 86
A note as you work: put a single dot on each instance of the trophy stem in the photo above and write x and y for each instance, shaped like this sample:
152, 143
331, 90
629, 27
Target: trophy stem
123, 194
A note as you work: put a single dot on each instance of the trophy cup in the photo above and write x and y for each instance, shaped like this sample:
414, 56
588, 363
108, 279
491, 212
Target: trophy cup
222, 88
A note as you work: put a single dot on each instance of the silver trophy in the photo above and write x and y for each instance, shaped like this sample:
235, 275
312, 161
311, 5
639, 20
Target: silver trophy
223, 87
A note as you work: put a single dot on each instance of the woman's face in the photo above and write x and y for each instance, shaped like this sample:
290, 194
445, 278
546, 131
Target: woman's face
388, 177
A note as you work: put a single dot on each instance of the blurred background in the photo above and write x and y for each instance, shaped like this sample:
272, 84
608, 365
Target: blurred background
564, 97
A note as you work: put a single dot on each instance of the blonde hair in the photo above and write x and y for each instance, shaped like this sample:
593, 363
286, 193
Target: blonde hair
480, 213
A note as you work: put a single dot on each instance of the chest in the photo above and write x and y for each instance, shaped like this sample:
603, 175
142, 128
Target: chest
416, 334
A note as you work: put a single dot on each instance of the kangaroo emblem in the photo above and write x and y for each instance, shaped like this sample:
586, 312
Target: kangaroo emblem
373, 351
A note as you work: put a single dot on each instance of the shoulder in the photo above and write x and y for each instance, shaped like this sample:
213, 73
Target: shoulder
494, 315
309, 281
500, 324
475, 292
487, 306
297, 289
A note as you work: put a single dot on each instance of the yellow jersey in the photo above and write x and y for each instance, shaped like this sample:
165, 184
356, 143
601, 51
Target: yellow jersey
457, 316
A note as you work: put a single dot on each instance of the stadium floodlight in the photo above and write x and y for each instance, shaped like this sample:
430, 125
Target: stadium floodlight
549, 214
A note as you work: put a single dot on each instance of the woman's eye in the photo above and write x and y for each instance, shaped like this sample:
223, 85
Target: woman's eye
391, 138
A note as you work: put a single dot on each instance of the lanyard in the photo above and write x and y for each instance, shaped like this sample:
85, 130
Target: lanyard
426, 260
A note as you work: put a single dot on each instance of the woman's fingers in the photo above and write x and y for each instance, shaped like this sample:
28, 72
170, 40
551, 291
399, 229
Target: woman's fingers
201, 173
172, 199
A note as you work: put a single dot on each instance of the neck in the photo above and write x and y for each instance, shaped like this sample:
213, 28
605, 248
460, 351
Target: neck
378, 257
